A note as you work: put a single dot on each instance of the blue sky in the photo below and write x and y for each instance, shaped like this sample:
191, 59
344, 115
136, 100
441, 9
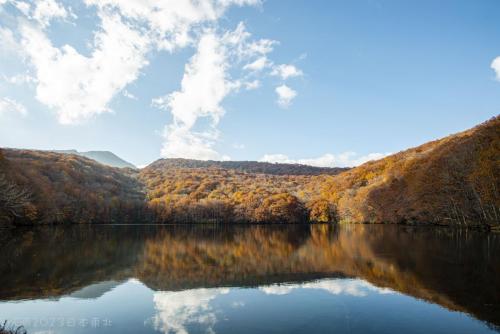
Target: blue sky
320, 82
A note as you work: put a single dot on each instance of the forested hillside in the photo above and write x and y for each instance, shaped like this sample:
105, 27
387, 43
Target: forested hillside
214, 194
452, 181
255, 167
455, 180
47, 187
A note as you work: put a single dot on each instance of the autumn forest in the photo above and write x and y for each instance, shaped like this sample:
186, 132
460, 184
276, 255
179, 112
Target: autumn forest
451, 181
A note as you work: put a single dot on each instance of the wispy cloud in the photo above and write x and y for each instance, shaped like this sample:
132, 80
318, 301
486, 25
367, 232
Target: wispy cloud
347, 159
8, 105
286, 71
20, 79
238, 146
8, 43
258, 65
129, 95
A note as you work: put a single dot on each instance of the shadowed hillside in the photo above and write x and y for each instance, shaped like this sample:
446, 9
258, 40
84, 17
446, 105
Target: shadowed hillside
451, 181
253, 167
454, 180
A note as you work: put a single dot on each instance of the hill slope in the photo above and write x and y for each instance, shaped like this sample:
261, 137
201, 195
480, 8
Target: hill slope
104, 157
48, 187
454, 180
255, 167
451, 181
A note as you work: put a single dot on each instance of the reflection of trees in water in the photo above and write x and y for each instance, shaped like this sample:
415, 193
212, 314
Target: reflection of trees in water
453, 268
53, 261
229, 256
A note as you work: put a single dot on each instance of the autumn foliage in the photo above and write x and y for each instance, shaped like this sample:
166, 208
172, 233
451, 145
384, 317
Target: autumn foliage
60, 188
451, 181
454, 180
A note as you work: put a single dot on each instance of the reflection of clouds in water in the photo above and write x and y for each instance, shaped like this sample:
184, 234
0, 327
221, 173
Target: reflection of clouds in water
175, 310
238, 304
278, 289
352, 287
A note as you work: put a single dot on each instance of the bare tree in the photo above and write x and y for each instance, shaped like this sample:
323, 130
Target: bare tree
13, 200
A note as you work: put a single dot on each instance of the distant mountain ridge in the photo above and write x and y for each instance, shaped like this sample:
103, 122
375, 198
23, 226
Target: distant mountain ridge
255, 167
104, 157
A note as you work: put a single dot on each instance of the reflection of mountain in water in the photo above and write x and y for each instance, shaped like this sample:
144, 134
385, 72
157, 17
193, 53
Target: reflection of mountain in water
452, 268
95, 290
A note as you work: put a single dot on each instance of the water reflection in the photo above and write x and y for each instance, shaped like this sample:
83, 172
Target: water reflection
204, 278
352, 287
176, 310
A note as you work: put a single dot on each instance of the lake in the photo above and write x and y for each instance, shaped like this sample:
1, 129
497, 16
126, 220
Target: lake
250, 279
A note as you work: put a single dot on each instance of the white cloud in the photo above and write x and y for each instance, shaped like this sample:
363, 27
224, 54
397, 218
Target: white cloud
257, 65
20, 79
23, 7
285, 95
129, 95
346, 159
352, 287
177, 310
286, 71
239, 146
181, 142
46, 10
8, 44
9, 105
205, 84
262, 46
170, 22
41, 11
495, 65
78, 87
250, 85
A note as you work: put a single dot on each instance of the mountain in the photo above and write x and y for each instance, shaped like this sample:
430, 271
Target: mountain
451, 181
255, 167
104, 157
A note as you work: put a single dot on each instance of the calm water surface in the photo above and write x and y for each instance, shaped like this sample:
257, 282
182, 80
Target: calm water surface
250, 279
